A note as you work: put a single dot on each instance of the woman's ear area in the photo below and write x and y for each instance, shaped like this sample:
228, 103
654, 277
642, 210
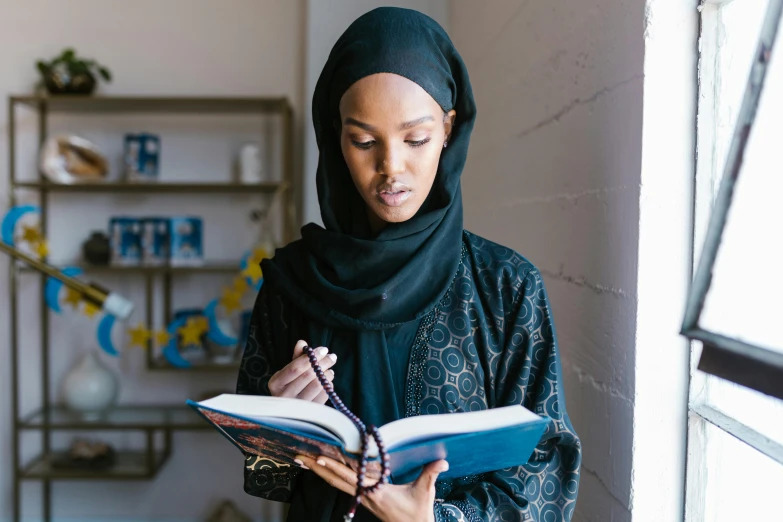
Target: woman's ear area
448, 122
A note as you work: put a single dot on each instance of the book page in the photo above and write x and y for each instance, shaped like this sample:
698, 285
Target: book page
425, 427
297, 426
289, 413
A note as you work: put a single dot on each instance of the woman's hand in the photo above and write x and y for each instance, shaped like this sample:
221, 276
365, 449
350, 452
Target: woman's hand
412, 502
297, 379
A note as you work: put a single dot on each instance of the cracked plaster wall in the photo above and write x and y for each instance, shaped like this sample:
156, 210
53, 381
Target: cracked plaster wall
554, 172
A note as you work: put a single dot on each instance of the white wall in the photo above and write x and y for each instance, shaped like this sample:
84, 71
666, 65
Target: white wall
326, 21
671, 34
171, 47
553, 172
557, 171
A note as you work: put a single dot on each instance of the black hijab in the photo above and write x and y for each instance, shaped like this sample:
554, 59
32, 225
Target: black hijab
360, 294
341, 275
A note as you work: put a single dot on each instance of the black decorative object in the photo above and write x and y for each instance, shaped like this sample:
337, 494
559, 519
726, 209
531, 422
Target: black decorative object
96, 249
365, 431
69, 74
86, 455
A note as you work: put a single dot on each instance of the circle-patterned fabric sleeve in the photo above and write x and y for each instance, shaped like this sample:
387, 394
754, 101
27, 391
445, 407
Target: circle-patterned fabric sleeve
264, 477
492, 343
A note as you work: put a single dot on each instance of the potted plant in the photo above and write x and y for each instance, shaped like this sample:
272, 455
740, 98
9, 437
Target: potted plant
69, 74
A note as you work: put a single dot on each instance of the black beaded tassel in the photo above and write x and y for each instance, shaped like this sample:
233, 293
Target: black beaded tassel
364, 431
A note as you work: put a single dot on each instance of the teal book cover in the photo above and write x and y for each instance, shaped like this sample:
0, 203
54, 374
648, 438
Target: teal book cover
469, 451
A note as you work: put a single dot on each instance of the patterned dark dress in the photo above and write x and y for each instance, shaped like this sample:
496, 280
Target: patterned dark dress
490, 342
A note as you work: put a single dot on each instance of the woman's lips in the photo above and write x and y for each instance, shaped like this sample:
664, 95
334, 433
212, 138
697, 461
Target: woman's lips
393, 198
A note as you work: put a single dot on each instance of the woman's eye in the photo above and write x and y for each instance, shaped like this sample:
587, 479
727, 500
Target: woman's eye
364, 145
419, 143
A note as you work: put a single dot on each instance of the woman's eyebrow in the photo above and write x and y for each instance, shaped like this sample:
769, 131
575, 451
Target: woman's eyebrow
418, 121
403, 126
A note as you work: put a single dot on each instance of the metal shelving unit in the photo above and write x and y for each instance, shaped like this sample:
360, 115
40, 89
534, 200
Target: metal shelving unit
209, 268
155, 421
154, 188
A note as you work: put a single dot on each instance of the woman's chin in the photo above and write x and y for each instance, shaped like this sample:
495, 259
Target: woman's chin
393, 214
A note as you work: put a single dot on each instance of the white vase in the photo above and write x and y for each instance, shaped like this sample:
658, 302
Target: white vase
90, 388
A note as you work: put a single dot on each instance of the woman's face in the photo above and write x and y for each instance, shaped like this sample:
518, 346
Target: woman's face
392, 133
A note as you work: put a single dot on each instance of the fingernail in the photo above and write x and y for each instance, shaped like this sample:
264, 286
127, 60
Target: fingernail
445, 466
300, 464
321, 462
322, 350
333, 357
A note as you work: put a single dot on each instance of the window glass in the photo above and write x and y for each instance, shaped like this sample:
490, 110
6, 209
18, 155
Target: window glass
741, 483
745, 299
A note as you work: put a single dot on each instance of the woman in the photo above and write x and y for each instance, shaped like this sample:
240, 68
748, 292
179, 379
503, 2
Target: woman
413, 314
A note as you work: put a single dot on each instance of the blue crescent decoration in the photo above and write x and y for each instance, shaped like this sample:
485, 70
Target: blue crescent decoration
170, 352
11, 218
53, 287
215, 334
104, 335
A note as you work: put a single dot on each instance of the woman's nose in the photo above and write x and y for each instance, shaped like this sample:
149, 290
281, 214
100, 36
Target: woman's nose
392, 161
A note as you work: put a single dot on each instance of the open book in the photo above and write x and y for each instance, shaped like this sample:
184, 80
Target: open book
472, 442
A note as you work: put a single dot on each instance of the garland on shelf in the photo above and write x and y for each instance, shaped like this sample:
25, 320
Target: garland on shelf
192, 329
17, 230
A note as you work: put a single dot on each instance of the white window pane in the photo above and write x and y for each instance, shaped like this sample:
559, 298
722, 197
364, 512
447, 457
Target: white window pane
753, 409
741, 483
738, 26
728, 42
744, 300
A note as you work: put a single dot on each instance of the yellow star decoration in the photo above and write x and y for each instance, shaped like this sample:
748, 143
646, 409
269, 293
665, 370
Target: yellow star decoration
31, 234
90, 309
231, 300
258, 254
191, 332
73, 298
200, 322
41, 249
162, 337
204, 323
253, 271
139, 336
240, 284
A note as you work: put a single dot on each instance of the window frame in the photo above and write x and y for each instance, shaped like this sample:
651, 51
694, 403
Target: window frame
722, 356
731, 359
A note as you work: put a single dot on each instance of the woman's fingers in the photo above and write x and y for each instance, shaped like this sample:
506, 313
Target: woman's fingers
321, 398
297, 379
342, 471
298, 349
283, 379
331, 478
328, 361
295, 388
429, 475
313, 389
